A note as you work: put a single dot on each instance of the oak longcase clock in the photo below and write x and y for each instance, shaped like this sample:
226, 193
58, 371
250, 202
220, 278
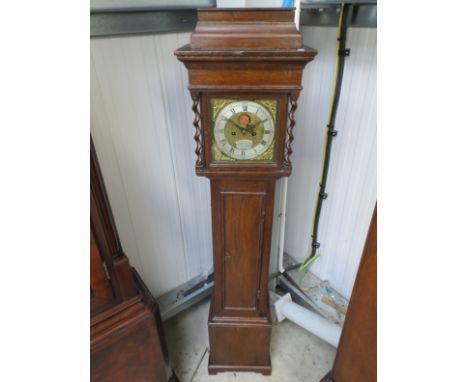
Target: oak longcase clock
245, 70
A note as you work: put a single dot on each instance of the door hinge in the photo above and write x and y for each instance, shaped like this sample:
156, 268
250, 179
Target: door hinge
106, 271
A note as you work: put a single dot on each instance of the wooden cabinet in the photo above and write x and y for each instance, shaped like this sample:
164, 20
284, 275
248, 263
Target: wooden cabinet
102, 293
127, 340
356, 358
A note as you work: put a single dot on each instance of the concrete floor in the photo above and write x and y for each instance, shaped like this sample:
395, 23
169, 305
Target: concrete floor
296, 355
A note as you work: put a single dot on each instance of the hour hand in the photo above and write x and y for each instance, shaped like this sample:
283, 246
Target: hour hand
252, 131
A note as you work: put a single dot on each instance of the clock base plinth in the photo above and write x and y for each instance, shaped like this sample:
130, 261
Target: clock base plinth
239, 344
215, 369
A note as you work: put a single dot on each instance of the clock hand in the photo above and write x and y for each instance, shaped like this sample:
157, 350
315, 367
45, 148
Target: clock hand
254, 133
242, 129
255, 125
251, 127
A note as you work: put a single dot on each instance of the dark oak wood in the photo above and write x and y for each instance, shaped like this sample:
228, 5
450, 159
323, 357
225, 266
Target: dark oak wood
127, 339
257, 28
356, 358
102, 293
106, 239
127, 342
253, 55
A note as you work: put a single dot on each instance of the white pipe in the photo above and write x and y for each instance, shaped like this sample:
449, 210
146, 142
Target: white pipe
284, 194
284, 180
297, 14
313, 323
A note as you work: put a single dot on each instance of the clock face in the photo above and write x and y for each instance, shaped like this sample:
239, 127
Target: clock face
244, 130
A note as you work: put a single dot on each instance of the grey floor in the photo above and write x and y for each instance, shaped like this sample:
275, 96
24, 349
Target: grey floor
296, 355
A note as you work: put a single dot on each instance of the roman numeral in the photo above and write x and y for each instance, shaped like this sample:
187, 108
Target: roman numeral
244, 107
233, 111
267, 131
232, 150
243, 153
223, 141
263, 143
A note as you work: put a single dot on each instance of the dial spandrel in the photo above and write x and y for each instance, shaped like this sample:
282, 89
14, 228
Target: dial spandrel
243, 130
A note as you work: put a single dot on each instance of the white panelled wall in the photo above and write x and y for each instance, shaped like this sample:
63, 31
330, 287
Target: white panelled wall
141, 124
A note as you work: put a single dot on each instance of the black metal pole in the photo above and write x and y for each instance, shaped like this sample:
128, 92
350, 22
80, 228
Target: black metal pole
331, 133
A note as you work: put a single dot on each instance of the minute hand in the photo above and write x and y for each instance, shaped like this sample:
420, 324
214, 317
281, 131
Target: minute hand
255, 125
242, 129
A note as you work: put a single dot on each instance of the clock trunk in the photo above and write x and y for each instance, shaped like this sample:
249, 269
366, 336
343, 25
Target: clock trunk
239, 323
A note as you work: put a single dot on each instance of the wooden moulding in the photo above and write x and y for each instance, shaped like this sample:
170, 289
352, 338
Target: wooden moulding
239, 344
127, 341
269, 28
244, 50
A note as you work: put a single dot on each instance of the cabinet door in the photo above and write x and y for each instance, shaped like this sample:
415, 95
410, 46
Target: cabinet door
102, 293
242, 218
243, 233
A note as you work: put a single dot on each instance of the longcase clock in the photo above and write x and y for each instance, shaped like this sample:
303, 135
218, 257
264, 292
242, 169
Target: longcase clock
245, 69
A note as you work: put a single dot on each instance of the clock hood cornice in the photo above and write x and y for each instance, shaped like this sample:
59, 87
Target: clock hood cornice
248, 48
186, 54
246, 34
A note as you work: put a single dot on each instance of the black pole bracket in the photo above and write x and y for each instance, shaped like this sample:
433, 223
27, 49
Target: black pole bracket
344, 52
331, 131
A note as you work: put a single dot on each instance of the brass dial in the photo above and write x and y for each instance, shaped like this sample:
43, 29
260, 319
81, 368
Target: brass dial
244, 130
